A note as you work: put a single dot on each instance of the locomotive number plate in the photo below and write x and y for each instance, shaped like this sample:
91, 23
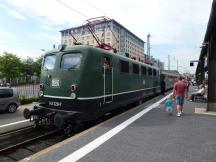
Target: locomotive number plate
55, 83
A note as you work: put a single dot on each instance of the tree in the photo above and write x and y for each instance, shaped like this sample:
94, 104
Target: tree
37, 65
10, 65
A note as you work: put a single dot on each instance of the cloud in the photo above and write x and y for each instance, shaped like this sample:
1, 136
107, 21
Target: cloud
21, 51
17, 15
46, 27
13, 12
44, 37
178, 25
6, 35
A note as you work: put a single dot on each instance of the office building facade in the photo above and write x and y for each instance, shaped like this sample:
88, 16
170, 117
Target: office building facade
119, 37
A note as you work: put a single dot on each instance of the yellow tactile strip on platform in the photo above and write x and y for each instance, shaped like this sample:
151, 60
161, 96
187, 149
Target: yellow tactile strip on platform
203, 111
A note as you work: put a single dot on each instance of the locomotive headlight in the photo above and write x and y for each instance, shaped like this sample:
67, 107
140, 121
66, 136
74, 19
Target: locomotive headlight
40, 93
73, 95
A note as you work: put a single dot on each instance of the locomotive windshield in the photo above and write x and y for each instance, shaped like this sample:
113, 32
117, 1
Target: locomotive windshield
49, 62
70, 61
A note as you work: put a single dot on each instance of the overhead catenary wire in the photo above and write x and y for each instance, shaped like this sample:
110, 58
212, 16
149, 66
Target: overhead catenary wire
91, 4
72, 9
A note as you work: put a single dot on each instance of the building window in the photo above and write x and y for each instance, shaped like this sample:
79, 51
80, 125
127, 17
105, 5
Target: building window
124, 66
66, 33
135, 69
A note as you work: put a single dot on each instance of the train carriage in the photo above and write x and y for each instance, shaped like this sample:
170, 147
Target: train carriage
169, 76
81, 83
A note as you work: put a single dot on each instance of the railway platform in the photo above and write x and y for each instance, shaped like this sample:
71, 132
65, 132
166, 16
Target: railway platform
145, 133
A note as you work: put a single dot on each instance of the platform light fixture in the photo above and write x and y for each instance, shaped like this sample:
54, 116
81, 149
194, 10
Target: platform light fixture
204, 44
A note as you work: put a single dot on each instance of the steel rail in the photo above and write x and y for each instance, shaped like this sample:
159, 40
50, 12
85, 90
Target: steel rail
11, 147
16, 131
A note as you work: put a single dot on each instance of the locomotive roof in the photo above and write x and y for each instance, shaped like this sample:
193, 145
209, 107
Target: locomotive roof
170, 72
87, 47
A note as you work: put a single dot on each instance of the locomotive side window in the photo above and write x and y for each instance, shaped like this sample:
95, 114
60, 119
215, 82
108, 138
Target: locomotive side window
124, 66
49, 62
135, 69
149, 71
71, 61
143, 69
154, 72
106, 62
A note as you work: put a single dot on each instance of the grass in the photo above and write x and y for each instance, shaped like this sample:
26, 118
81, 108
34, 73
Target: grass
24, 101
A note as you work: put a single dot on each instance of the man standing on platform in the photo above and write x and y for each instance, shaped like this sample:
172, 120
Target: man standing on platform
179, 93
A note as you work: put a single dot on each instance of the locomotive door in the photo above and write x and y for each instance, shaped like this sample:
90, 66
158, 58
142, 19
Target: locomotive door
108, 79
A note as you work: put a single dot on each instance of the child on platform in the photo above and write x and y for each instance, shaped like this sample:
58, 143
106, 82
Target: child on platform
169, 105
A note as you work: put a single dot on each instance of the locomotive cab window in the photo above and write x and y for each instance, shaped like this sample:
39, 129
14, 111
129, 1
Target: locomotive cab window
106, 62
71, 61
49, 62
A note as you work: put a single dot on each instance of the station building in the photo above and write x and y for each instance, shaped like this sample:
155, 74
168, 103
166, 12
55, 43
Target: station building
206, 67
119, 37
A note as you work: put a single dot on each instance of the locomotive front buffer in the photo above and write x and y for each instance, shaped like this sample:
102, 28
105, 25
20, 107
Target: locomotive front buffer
42, 116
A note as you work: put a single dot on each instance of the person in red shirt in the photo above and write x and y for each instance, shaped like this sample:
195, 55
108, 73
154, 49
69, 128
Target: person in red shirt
179, 90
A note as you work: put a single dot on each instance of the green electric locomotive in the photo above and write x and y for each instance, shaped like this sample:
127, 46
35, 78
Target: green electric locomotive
81, 83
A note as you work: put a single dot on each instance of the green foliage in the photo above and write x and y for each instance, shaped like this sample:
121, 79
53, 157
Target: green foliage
11, 67
24, 100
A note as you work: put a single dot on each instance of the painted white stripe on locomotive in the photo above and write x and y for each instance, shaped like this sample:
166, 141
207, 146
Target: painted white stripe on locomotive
96, 97
80, 153
58, 97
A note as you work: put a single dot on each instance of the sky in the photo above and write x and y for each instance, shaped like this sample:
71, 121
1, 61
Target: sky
177, 27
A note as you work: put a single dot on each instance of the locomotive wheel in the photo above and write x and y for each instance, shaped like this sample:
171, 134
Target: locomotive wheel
68, 130
59, 121
140, 102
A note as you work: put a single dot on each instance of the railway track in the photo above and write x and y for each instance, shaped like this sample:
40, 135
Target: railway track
15, 131
21, 143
